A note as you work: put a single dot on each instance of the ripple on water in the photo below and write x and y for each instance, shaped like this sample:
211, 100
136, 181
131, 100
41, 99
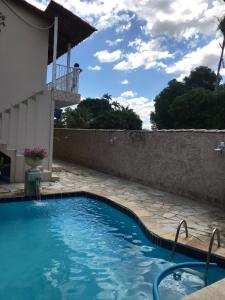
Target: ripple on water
80, 249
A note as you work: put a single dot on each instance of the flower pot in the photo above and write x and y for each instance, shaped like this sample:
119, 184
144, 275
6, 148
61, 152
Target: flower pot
33, 162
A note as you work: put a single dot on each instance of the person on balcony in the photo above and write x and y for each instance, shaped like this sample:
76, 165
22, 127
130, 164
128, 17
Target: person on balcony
75, 80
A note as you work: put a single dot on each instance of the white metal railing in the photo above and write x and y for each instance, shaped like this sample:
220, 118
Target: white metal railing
62, 70
67, 79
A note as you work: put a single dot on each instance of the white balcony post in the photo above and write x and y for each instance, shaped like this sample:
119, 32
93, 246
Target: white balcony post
68, 67
68, 58
55, 46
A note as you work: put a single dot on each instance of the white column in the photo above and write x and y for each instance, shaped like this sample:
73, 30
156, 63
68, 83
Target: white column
13, 127
30, 123
68, 58
55, 45
68, 68
22, 127
51, 137
5, 126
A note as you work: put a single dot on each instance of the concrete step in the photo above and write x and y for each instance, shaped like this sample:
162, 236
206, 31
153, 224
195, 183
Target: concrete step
25, 125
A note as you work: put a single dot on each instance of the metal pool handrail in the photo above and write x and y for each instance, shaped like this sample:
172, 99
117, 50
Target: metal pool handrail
182, 222
164, 273
215, 231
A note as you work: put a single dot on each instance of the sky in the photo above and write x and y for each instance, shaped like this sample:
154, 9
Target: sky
140, 45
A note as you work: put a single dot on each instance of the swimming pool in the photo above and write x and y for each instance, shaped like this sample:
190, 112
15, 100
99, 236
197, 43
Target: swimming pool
82, 249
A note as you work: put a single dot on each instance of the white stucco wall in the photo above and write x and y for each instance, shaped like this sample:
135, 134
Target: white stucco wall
23, 57
28, 120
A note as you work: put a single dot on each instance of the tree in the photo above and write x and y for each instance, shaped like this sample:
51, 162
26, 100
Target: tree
118, 119
218, 111
77, 118
58, 123
177, 105
107, 96
96, 106
162, 117
193, 109
201, 77
100, 113
200, 108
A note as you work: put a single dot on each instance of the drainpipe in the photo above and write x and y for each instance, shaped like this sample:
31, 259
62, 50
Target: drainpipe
56, 23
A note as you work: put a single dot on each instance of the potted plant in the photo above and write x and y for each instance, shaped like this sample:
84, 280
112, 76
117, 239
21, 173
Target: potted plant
34, 156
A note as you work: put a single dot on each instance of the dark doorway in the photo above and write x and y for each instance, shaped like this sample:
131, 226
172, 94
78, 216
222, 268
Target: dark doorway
5, 162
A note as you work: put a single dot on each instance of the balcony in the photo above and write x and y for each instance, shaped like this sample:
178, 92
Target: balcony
65, 89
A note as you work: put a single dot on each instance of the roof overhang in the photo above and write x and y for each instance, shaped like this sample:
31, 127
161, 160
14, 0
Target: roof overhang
71, 29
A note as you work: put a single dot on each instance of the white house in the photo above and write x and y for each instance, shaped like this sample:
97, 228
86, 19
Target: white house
30, 41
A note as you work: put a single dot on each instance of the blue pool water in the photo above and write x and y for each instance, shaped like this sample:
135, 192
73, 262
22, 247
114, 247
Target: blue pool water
82, 249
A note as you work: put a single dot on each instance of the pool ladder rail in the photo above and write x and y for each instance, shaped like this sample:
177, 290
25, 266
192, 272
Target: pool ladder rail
184, 223
209, 253
215, 232
187, 265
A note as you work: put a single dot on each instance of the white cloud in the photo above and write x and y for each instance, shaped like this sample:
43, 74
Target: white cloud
141, 105
128, 94
174, 18
121, 21
95, 68
146, 54
125, 81
113, 43
106, 57
39, 5
123, 27
177, 18
206, 56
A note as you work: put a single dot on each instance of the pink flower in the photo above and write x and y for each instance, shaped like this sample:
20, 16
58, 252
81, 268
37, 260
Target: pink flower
35, 153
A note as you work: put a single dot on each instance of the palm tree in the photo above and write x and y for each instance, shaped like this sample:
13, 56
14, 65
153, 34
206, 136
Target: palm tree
221, 28
107, 96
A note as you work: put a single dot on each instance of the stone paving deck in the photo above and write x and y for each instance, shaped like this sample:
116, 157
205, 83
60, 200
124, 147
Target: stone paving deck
214, 291
159, 211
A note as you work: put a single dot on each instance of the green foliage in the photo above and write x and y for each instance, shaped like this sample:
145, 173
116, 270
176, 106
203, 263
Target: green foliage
201, 77
99, 113
193, 103
118, 119
162, 117
77, 118
95, 106
221, 26
218, 109
58, 123
107, 96
192, 109
200, 109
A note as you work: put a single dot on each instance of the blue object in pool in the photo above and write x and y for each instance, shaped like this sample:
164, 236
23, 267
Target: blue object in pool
82, 249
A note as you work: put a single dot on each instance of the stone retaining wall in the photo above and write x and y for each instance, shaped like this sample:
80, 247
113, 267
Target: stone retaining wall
182, 162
